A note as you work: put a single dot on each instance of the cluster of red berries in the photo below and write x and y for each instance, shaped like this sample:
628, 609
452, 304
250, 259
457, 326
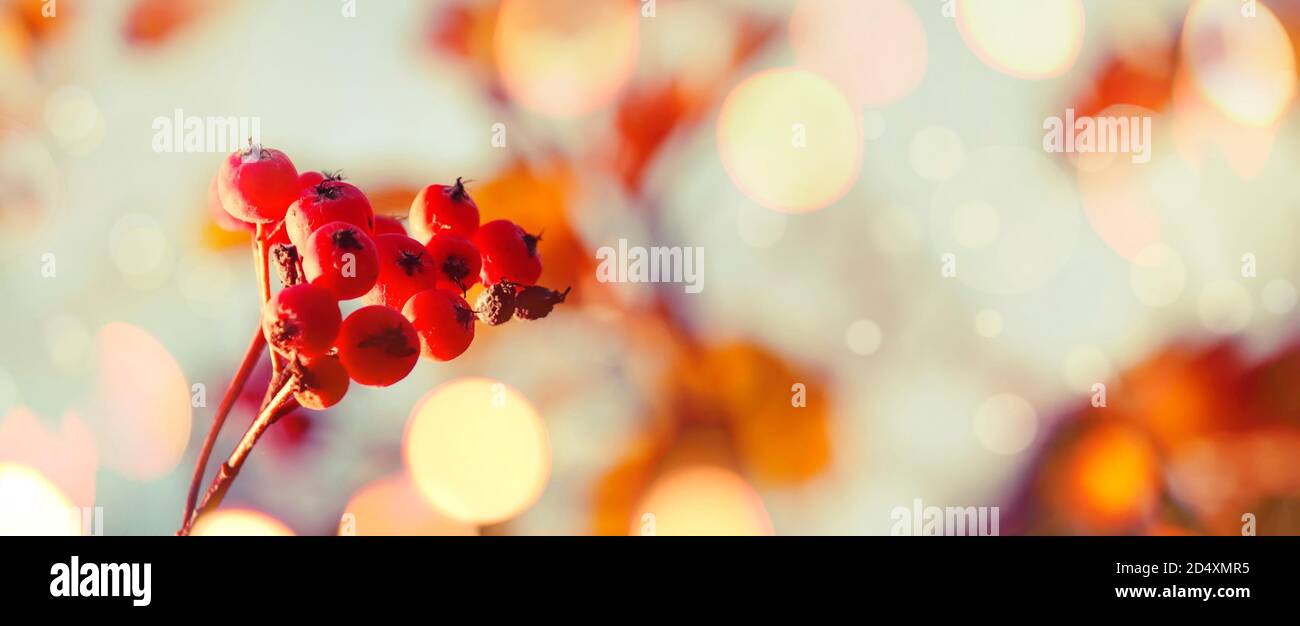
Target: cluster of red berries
329, 246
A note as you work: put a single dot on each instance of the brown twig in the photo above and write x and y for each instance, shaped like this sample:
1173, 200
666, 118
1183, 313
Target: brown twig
230, 469
237, 383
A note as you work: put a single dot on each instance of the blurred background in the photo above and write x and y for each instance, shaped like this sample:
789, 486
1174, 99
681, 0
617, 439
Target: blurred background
919, 303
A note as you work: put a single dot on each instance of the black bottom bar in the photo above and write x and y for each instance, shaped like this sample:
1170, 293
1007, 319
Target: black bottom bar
216, 575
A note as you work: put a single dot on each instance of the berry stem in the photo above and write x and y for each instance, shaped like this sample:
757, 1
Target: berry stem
230, 469
263, 257
237, 383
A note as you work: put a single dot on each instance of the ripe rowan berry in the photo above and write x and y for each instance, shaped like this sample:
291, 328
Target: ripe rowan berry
330, 200
535, 302
385, 225
257, 184
405, 269
508, 252
443, 321
377, 346
443, 209
341, 258
302, 319
496, 305
457, 260
311, 179
321, 381
219, 215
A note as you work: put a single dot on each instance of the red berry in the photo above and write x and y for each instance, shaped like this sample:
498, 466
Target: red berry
341, 258
378, 346
457, 260
302, 319
310, 179
329, 201
322, 382
257, 184
385, 225
405, 269
219, 215
443, 208
443, 321
508, 253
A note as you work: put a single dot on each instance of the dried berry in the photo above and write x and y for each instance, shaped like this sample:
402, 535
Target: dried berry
287, 263
535, 302
496, 305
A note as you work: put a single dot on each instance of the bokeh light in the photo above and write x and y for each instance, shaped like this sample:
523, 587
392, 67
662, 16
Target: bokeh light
863, 337
700, 500
141, 408
1158, 275
31, 505
874, 50
240, 523
565, 58
1117, 194
1224, 307
790, 140
1245, 66
1107, 479
66, 457
392, 506
1279, 296
1010, 218
478, 450
1033, 40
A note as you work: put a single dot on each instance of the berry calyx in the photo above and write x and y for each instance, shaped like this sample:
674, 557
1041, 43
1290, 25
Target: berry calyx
405, 269
322, 381
443, 321
377, 346
341, 258
508, 252
302, 319
535, 302
496, 305
457, 260
257, 184
443, 209
330, 200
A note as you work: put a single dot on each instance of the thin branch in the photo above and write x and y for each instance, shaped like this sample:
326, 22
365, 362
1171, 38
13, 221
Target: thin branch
219, 419
230, 469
